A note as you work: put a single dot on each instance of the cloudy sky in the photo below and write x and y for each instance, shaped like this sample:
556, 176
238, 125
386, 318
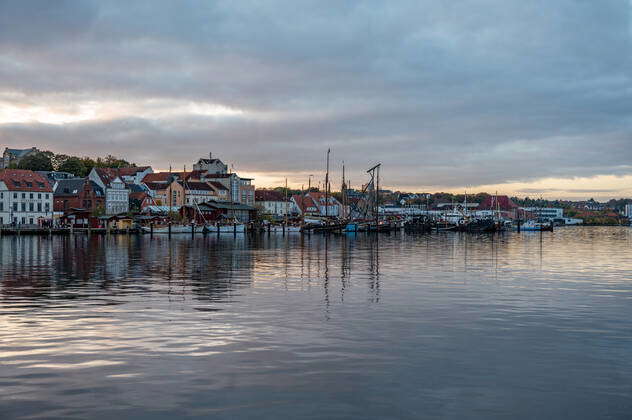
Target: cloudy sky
528, 97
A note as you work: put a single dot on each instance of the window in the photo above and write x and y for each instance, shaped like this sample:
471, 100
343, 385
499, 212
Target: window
31, 207
47, 196
1, 207
15, 195
39, 206
17, 183
23, 195
23, 206
31, 221
24, 220
1, 195
41, 185
29, 184
39, 196
31, 195
47, 207
15, 206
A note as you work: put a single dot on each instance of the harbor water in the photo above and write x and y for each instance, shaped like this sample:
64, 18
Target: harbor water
357, 326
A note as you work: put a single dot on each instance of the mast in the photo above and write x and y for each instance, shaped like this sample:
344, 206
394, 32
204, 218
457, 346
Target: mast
285, 201
302, 212
170, 195
327, 186
344, 192
377, 198
184, 184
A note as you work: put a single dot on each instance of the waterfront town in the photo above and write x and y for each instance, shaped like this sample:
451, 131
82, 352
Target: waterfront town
37, 194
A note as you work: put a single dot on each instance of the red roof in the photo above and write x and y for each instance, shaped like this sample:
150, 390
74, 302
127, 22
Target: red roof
197, 186
269, 195
218, 185
157, 177
503, 202
304, 203
132, 170
108, 175
23, 180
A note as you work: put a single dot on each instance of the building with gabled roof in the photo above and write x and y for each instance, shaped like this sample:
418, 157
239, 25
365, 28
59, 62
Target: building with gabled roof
210, 165
25, 197
116, 192
272, 202
78, 193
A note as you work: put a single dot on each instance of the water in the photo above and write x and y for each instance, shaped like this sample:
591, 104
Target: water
450, 326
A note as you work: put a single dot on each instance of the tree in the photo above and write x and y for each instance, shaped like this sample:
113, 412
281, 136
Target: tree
41, 161
72, 164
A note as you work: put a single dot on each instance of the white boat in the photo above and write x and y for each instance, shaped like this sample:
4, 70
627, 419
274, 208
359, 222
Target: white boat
174, 229
532, 225
226, 228
279, 229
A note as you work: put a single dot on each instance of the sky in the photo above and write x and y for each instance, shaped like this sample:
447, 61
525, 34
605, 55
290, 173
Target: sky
520, 97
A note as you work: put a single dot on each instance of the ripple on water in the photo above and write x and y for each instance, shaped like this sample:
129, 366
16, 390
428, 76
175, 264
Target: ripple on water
354, 326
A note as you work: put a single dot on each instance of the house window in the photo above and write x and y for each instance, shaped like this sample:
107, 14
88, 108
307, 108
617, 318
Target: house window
23, 195
31, 195
15, 195
15, 206
24, 220
23, 206
31, 221
31, 207
47, 207
39, 195
39, 206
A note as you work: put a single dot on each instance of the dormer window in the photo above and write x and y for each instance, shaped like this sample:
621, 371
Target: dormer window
17, 183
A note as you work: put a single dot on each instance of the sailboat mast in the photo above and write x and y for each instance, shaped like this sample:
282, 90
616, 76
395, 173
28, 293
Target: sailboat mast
344, 192
286, 201
327, 186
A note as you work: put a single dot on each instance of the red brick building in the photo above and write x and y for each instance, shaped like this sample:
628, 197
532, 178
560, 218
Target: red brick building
78, 193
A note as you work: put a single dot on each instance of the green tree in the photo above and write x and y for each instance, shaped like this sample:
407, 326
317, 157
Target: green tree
41, 161
74, 165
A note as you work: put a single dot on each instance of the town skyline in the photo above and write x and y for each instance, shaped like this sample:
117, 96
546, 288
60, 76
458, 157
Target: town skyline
317, 180
526, 98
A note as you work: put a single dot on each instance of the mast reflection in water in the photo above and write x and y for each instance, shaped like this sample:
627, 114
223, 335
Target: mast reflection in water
358, 326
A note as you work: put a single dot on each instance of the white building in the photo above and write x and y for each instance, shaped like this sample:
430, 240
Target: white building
25, 197
210, 165
628, 210
116, 194
272, 202
198, 192
315, 204
549, 213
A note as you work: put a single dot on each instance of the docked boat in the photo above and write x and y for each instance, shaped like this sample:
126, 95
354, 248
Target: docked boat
173, 229
282, 229
533, 225
225, 228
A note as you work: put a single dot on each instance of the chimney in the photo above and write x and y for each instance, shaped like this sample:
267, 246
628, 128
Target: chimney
210, 155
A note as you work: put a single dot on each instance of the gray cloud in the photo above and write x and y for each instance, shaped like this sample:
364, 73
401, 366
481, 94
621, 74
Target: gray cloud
444, 94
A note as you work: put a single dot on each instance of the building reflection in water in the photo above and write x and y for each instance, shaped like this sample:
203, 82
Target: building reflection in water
212, 268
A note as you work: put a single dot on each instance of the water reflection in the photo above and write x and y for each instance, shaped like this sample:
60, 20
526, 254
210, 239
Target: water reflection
352, 326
